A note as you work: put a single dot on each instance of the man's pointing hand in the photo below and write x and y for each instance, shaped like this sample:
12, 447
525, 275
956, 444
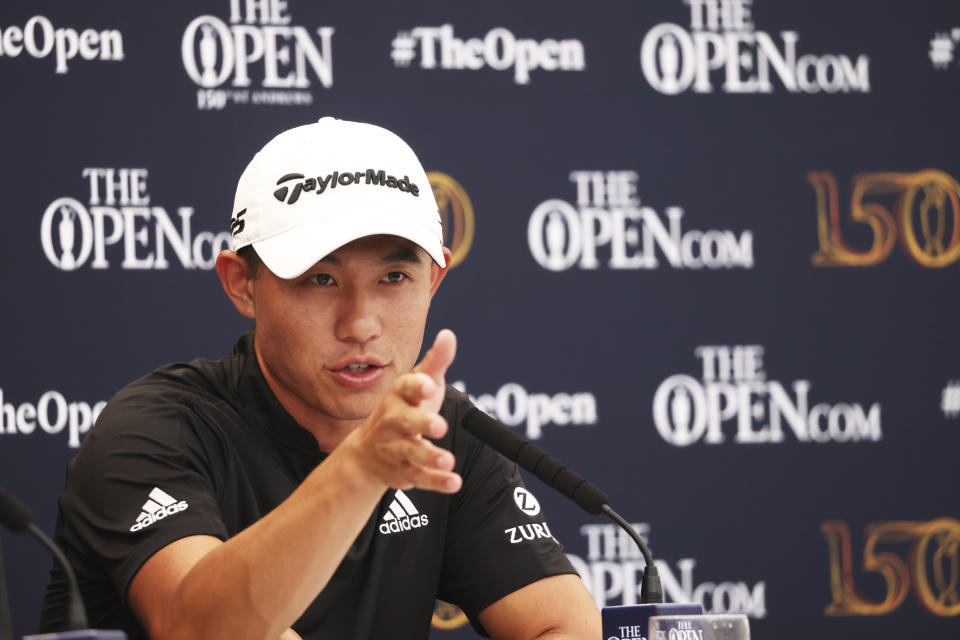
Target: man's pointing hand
391, 441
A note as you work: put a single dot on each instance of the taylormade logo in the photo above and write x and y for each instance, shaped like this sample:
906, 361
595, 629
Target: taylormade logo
320, 184
402, 516
158, 506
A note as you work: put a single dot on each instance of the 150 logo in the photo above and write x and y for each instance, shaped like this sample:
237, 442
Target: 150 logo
447, 616
925, 217
932, 567
456, 214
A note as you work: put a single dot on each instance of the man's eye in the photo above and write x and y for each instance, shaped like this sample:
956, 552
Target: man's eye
395, 276
323, 279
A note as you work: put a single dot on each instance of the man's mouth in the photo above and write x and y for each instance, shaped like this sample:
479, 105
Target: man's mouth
359, 374
358, 368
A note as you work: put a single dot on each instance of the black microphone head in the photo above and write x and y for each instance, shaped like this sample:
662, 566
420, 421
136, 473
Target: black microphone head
495, 435
13, 515
590, 498
516, 448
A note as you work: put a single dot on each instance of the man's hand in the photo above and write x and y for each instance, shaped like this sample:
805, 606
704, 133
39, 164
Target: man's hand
391, 445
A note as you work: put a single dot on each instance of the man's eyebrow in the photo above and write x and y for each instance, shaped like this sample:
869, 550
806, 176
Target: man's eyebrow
402, 255
406, 254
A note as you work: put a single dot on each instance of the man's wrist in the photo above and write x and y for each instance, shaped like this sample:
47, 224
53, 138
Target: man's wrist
351, 466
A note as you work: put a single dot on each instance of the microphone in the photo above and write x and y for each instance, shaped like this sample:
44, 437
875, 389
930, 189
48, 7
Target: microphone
555, 474
15, 517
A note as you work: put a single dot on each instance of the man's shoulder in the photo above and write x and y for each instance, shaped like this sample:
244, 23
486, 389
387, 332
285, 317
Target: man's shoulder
200, 378
172, 394
455, 405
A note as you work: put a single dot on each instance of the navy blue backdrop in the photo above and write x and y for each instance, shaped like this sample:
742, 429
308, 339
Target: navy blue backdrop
707, 253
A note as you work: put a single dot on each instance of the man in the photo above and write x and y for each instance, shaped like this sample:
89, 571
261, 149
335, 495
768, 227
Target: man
316, 483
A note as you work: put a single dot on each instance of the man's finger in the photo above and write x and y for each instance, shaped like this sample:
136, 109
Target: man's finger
417, 422
440, 356
415, 387
434, 480
418, 463
422, 453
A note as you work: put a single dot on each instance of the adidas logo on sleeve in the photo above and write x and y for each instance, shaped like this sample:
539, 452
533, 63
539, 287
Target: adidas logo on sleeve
158, 506
402, 516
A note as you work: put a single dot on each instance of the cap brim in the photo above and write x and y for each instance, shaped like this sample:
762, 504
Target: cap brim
291, 253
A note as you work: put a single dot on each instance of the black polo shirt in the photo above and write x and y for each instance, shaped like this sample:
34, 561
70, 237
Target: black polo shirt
206, 448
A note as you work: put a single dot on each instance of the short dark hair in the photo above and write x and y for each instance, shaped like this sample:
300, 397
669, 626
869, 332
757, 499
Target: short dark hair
250, 256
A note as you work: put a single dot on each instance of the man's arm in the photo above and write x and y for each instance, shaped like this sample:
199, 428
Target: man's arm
257, 583
555, 607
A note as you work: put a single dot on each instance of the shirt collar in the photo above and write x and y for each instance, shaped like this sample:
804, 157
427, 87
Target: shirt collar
260, 406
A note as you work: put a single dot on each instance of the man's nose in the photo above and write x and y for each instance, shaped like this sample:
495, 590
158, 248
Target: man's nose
358, 320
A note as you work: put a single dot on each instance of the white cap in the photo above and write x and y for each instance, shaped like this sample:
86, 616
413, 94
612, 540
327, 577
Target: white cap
319, 186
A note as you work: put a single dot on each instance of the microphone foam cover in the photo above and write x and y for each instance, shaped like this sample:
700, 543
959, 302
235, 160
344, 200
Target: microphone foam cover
13, 515
518, 449
590, 498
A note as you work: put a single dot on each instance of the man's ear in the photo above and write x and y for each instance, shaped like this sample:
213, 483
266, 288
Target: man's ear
237, 281
437, 272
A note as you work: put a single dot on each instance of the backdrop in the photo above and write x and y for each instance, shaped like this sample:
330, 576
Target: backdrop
706, 253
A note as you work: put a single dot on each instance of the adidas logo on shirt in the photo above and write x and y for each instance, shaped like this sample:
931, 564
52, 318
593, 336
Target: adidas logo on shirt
402, 516
158, 506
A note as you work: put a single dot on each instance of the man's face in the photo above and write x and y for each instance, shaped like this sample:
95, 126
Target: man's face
332, 341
